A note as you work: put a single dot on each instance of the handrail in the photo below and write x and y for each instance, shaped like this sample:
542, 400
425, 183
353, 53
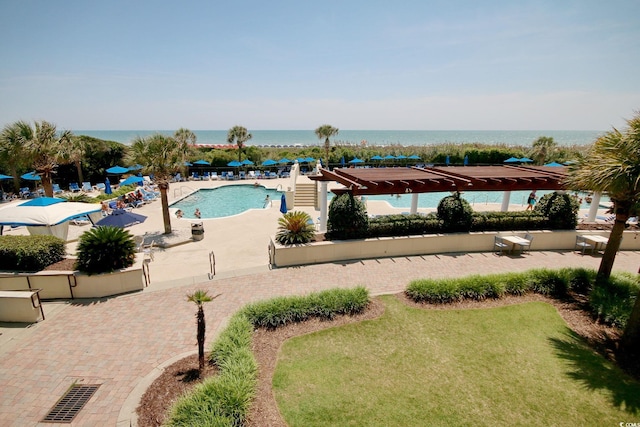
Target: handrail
212, 265
146, 272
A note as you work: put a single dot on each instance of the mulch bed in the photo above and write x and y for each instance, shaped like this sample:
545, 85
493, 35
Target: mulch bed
266, 345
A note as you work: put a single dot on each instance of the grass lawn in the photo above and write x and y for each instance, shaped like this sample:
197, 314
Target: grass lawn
509, 366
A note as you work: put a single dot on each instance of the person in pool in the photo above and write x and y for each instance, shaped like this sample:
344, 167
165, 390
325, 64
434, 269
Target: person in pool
197, 213
179, 213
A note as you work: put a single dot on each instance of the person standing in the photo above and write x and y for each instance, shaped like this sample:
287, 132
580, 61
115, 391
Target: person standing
531, 200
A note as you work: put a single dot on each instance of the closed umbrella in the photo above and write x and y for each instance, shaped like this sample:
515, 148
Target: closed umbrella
466, 160
447, 161
107, 186
121, 218
342, 162
283, 204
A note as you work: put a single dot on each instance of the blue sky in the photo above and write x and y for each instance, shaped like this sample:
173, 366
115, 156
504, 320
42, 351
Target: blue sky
424, 65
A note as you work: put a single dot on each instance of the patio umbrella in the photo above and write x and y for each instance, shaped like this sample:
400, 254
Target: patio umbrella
31, 176
283, 204
188, 164
554, 164
247, 162
121, 218
202, 163
234, 164
284, 160
300, 160
132, 180
389, 157
526, 160
512, 160
447, 160
117, 170
401, 157
107, 186
309, 160
269, 162
342, 161
3, 176
376, 157
414, 157
135, 167
45, 211
356, 160
466, 160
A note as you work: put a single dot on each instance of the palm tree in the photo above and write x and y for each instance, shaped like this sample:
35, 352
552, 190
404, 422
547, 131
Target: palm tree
238, 135
612, 165
542, 148
13, 148
77, 150
163, 156
46, 149
199, 297
325, 132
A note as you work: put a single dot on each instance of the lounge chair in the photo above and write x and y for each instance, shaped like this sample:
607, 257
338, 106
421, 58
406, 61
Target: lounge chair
73, 187
25, 193
230, 176
57, 189
214, 175
86, 186
242, 175
99, 186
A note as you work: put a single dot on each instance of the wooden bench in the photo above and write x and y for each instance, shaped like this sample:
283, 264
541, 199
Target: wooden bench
21, 306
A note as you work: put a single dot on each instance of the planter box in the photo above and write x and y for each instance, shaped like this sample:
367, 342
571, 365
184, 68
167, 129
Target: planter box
382, 247
73, 284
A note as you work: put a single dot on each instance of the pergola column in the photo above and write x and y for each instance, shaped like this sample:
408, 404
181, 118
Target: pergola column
593, 209
414, 204
506, 197
323, 206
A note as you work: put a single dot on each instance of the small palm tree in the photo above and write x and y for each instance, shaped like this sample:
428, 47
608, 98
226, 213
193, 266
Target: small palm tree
238, 135
163, 156
199, 297
325, 132
295, 227
105, 249
13, 149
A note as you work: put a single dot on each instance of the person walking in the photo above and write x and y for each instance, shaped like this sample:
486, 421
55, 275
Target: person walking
531, 200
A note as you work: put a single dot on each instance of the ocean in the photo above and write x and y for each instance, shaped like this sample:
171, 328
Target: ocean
372, 137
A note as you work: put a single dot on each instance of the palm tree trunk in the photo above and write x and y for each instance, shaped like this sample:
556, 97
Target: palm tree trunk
201, 334
615, 238
326, 152
164, 199
79, 168
46, 184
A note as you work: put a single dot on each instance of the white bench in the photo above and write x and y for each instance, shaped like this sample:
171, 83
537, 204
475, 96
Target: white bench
21, 306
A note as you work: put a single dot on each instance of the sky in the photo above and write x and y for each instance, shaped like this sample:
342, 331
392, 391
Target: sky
362, 65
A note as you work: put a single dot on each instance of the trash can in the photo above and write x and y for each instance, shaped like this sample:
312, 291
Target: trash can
197, 231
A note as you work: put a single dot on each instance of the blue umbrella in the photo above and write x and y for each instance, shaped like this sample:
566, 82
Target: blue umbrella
389, 157
121, 218
309, 159
247, 162
284, 160
43, 201
554, 164
401, 157
188, 164
31, 176
3, 176
132, 180
300, 160
414, 157
202, 163
512, 160
234, 164
107, 186
342, 161
526, 160
135, 167
283, 204
376, 157
447, 161
356, 160
117, 170
466, 160
269, 162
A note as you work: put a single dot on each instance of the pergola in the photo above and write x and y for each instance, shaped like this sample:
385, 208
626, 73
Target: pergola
416, 180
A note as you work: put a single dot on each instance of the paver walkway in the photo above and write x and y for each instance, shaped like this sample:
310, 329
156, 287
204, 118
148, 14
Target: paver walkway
118, 342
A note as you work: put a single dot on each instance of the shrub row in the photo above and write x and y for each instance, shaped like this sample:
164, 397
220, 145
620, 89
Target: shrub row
30, 253
611, 300
325, 305
224, 400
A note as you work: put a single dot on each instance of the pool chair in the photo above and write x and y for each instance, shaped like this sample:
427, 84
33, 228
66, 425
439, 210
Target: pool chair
223, 175
57, 189
499, 245
242, 175
86, 186
230, 176
214, 176
206, 176
99, 186
73, 187
25, 193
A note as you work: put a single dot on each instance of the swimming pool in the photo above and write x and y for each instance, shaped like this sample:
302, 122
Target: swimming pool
225, 201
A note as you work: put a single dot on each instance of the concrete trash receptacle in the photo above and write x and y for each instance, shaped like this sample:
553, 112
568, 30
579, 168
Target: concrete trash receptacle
197, 231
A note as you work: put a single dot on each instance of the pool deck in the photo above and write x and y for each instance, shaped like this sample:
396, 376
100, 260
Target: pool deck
123, 343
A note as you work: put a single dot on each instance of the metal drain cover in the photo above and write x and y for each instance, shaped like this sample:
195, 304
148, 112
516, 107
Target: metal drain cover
71, 403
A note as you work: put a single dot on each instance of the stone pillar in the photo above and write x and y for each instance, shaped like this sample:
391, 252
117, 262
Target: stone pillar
505, 201
593, 209
414, 203
323, 206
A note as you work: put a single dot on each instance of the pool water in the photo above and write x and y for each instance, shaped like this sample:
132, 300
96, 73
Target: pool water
225, 201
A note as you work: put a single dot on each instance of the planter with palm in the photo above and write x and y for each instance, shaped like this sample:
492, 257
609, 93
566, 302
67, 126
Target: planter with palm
295, 227
105, 249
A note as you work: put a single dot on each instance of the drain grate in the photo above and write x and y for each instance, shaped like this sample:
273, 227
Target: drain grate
70, 404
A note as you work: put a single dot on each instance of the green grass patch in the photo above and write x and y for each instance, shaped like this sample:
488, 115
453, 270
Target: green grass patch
514, 365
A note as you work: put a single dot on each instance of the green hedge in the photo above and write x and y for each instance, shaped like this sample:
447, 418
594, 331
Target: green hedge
30, 253
611, 301
225, 399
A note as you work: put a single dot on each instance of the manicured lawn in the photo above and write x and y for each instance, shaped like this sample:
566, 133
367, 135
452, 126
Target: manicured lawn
515, 365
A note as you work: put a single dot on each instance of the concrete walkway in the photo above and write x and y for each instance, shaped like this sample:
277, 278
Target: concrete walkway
123, 342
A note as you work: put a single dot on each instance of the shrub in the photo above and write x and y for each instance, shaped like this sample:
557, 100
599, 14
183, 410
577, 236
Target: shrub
612, 300
548, 282
30, 253
105, 249
295, 227
516, 220
403, 225
347, 218
455, 213
560, 209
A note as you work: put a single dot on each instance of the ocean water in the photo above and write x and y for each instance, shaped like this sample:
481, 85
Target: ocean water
372, 137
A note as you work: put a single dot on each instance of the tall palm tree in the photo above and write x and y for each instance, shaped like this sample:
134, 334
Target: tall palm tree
46, 150
13, 150
612, 165
76, 151
542, 148
325, 132
238, 135
163, 156
199, 297
185, 136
